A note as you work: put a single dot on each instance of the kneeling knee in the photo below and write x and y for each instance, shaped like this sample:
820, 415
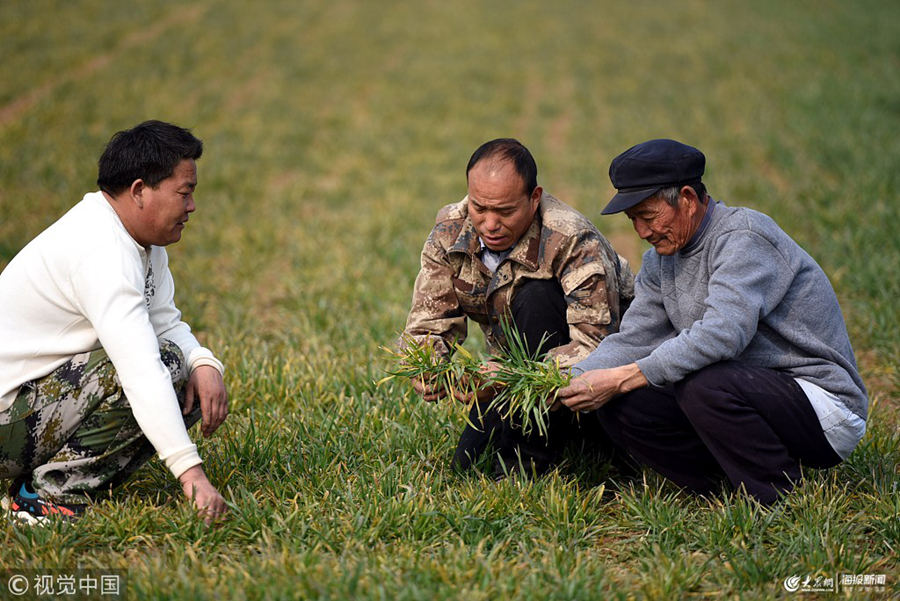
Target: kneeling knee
701, 383
173, 358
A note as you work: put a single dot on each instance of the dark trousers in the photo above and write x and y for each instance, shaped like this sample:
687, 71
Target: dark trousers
753, 425
538, 311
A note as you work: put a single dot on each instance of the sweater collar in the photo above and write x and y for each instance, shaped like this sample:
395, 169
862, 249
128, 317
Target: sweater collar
694, 242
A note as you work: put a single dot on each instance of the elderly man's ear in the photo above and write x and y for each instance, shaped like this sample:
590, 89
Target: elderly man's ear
688, 199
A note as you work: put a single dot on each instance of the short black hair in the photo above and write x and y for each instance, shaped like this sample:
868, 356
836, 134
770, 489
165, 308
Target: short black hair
150, 152
671, 194
513, 151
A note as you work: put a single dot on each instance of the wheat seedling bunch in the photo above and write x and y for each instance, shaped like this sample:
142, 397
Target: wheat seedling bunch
526, 387
419, 360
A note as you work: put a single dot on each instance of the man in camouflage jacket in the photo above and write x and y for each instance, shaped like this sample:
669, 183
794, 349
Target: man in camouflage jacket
510, 249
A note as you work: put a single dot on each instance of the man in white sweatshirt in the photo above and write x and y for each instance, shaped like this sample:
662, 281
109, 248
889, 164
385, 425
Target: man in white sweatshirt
97, 370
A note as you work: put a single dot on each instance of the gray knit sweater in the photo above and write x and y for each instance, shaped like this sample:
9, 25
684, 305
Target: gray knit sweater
746, 291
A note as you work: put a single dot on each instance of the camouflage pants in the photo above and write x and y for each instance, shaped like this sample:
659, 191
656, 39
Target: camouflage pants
73, 430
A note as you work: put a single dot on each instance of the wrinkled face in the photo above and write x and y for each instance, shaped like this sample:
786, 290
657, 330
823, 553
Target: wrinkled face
165, 209
666, 227
499, 207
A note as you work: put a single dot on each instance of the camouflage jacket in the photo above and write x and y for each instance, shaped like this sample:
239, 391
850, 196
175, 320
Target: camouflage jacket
560, 244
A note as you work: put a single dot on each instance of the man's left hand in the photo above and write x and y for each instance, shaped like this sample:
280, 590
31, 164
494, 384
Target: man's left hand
207, 384
593, 389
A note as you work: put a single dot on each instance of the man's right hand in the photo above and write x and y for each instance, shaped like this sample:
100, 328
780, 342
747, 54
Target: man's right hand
484, 391
207, 500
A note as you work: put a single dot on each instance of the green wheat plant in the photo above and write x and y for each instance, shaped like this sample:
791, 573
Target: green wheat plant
526, 386
419, 360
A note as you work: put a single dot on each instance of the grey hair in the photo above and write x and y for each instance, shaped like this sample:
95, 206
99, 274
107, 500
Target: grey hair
671, 194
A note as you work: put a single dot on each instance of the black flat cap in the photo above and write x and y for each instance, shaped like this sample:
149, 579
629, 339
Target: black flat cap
642, 170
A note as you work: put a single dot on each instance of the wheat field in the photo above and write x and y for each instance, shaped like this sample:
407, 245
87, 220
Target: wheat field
333, 133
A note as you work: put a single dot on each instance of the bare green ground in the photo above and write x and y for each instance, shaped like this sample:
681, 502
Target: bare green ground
334, 131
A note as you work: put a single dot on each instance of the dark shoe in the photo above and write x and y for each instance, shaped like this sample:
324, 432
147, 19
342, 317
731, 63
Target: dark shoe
26, 506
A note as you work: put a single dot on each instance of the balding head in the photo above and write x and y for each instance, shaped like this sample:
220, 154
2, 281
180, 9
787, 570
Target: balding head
507, 151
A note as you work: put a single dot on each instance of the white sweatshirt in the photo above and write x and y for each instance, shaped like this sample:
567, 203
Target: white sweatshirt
83, 284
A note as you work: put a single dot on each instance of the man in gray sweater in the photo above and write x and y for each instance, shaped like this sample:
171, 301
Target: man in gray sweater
734, 359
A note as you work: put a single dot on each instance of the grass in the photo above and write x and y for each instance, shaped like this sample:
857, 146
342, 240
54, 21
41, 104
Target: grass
334, 131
